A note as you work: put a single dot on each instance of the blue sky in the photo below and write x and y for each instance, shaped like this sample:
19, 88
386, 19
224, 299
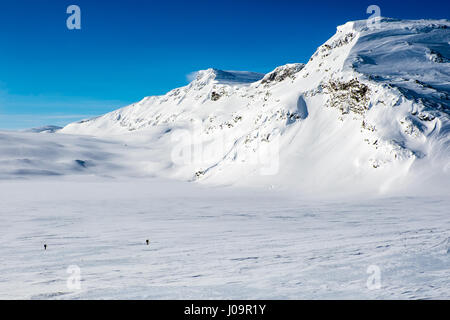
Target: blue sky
129, 49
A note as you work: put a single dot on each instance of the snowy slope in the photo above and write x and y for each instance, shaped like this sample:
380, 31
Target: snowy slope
369, 105
215, 243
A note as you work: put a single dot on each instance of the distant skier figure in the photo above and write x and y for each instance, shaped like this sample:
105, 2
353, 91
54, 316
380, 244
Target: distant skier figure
45, 246
147, 241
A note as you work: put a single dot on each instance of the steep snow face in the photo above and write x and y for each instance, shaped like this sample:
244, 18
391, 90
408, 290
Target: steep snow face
412, 56
369, 110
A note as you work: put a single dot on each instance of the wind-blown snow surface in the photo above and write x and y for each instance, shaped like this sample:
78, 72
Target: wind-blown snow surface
216, 242
285, 185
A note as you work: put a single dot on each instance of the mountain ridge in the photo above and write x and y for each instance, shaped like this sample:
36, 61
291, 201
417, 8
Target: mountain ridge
381, 94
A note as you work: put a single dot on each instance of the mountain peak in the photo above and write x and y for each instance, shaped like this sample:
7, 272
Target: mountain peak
230, 77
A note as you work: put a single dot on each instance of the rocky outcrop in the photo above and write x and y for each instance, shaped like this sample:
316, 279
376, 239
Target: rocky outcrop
350, 96
282, 73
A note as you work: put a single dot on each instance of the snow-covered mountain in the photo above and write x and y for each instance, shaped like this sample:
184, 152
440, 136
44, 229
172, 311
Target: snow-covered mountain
370, 108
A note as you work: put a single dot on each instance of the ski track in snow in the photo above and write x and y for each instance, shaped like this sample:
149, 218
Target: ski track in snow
216, 243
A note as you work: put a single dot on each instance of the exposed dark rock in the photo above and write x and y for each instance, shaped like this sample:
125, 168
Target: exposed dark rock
351, 96
215, 96
282, 73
